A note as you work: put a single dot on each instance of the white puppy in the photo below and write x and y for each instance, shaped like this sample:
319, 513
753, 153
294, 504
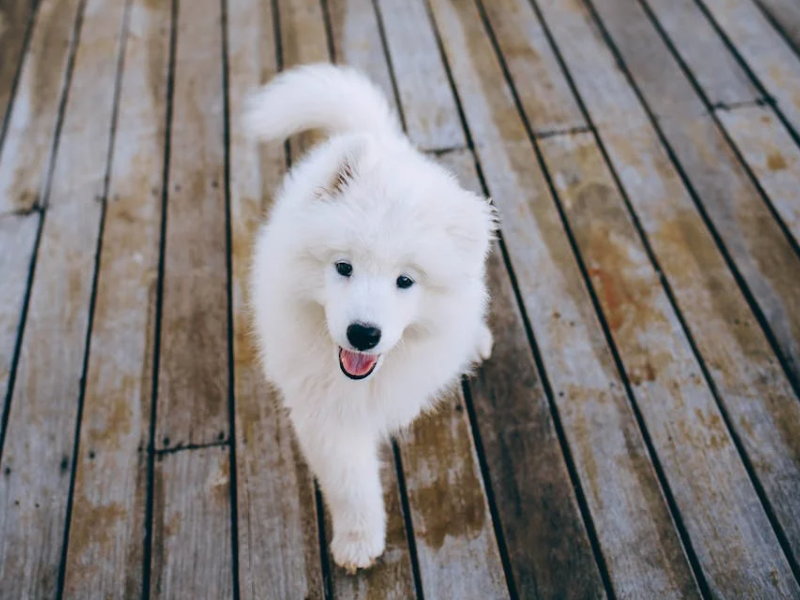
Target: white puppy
367, 287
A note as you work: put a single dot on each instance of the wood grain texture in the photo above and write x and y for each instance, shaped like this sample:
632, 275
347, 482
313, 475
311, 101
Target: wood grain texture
748, 378
547, 541
456, 546
421, 77
279, 554
106, 545
15, 17
26, 150
704, 51
193, 374
37, 457
17, 246
772, 155
191, 526
717, 501
622, 492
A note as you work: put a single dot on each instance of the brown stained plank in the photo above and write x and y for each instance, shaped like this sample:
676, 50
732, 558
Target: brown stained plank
105, 552
17, 246
755, 241
542, 88
750, 382
41, 431
193, 374
711, 62
547, 542
279, 555
15, 17
786, 14
772, 155
767, 54
32, 122
456, 546
191, 526
622, 492
422, 82
718, 503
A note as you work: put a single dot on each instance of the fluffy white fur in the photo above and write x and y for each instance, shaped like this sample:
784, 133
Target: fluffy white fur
367, 197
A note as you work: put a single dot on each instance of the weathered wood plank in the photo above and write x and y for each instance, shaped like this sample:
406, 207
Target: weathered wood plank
621, 490
193, 374
547, 541
718, 504
191, 525
17, 246
711, 62
542, 88
26, 150
421, 77
15, 17
767, 54
106, 543
762, 253
747, 376
37, 457
786, 14
279, 554
772, 155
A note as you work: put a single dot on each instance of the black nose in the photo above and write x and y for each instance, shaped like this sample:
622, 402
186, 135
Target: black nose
363, 336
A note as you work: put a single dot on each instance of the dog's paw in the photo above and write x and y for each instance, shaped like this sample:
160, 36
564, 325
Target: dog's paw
485, 343
357, 549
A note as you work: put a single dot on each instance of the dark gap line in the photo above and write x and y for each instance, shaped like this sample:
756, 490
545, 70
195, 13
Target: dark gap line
777, 26
326, 19
656, 462
543, 135
41, 207
760, 491
18, 75
123, 43
439, 152
732, 106
226, 137
35, 208
405, 506
389, 64
189, 447
327, 577
147, 553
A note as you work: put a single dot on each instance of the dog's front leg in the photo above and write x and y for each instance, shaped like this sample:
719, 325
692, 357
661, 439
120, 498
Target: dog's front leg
347, 468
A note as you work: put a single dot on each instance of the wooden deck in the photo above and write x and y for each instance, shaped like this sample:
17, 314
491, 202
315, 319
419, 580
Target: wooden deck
637, 431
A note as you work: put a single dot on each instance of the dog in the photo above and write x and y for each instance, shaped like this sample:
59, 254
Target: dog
367, 287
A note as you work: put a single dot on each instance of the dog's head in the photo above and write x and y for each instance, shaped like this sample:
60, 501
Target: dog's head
393, 239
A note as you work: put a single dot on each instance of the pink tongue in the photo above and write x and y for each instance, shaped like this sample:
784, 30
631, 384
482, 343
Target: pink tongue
357, 364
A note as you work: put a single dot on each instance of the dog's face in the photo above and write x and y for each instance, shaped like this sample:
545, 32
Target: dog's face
388, 246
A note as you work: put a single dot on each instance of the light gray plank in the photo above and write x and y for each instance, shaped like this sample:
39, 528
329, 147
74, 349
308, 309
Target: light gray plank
15, 16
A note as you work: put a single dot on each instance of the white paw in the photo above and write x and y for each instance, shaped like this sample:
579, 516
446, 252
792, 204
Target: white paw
485, 343
357, 549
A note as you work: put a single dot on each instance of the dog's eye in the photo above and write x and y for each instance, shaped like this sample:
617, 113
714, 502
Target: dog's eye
345, 269
404, 282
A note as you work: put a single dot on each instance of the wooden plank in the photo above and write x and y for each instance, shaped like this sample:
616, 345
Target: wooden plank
542, 89
711, 62
547, 541
622, 492
38, 453
772, 155
15, 18
767, 54
26, 150
456, 546
749, 381
193, 374
106, 543
191, 525
786, 14
421, 77
718, 504
762, 253
279, 554
17, 246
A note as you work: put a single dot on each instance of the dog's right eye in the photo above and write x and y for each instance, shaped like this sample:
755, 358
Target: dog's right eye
345, 269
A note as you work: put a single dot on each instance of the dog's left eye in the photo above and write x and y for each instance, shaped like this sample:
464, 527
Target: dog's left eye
404, 282
345, 269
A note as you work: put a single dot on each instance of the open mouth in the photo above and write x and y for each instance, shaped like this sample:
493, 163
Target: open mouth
357, 365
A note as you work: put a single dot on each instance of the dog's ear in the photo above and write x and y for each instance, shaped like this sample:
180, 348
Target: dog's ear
342, 177
474, 226
346, 169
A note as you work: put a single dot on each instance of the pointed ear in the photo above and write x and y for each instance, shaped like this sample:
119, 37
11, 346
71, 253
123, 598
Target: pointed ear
346, 169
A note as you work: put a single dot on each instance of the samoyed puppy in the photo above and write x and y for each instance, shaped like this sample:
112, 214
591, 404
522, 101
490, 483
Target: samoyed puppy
367, 287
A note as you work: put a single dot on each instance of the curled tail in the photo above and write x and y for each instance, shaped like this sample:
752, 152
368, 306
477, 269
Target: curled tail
321, 96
